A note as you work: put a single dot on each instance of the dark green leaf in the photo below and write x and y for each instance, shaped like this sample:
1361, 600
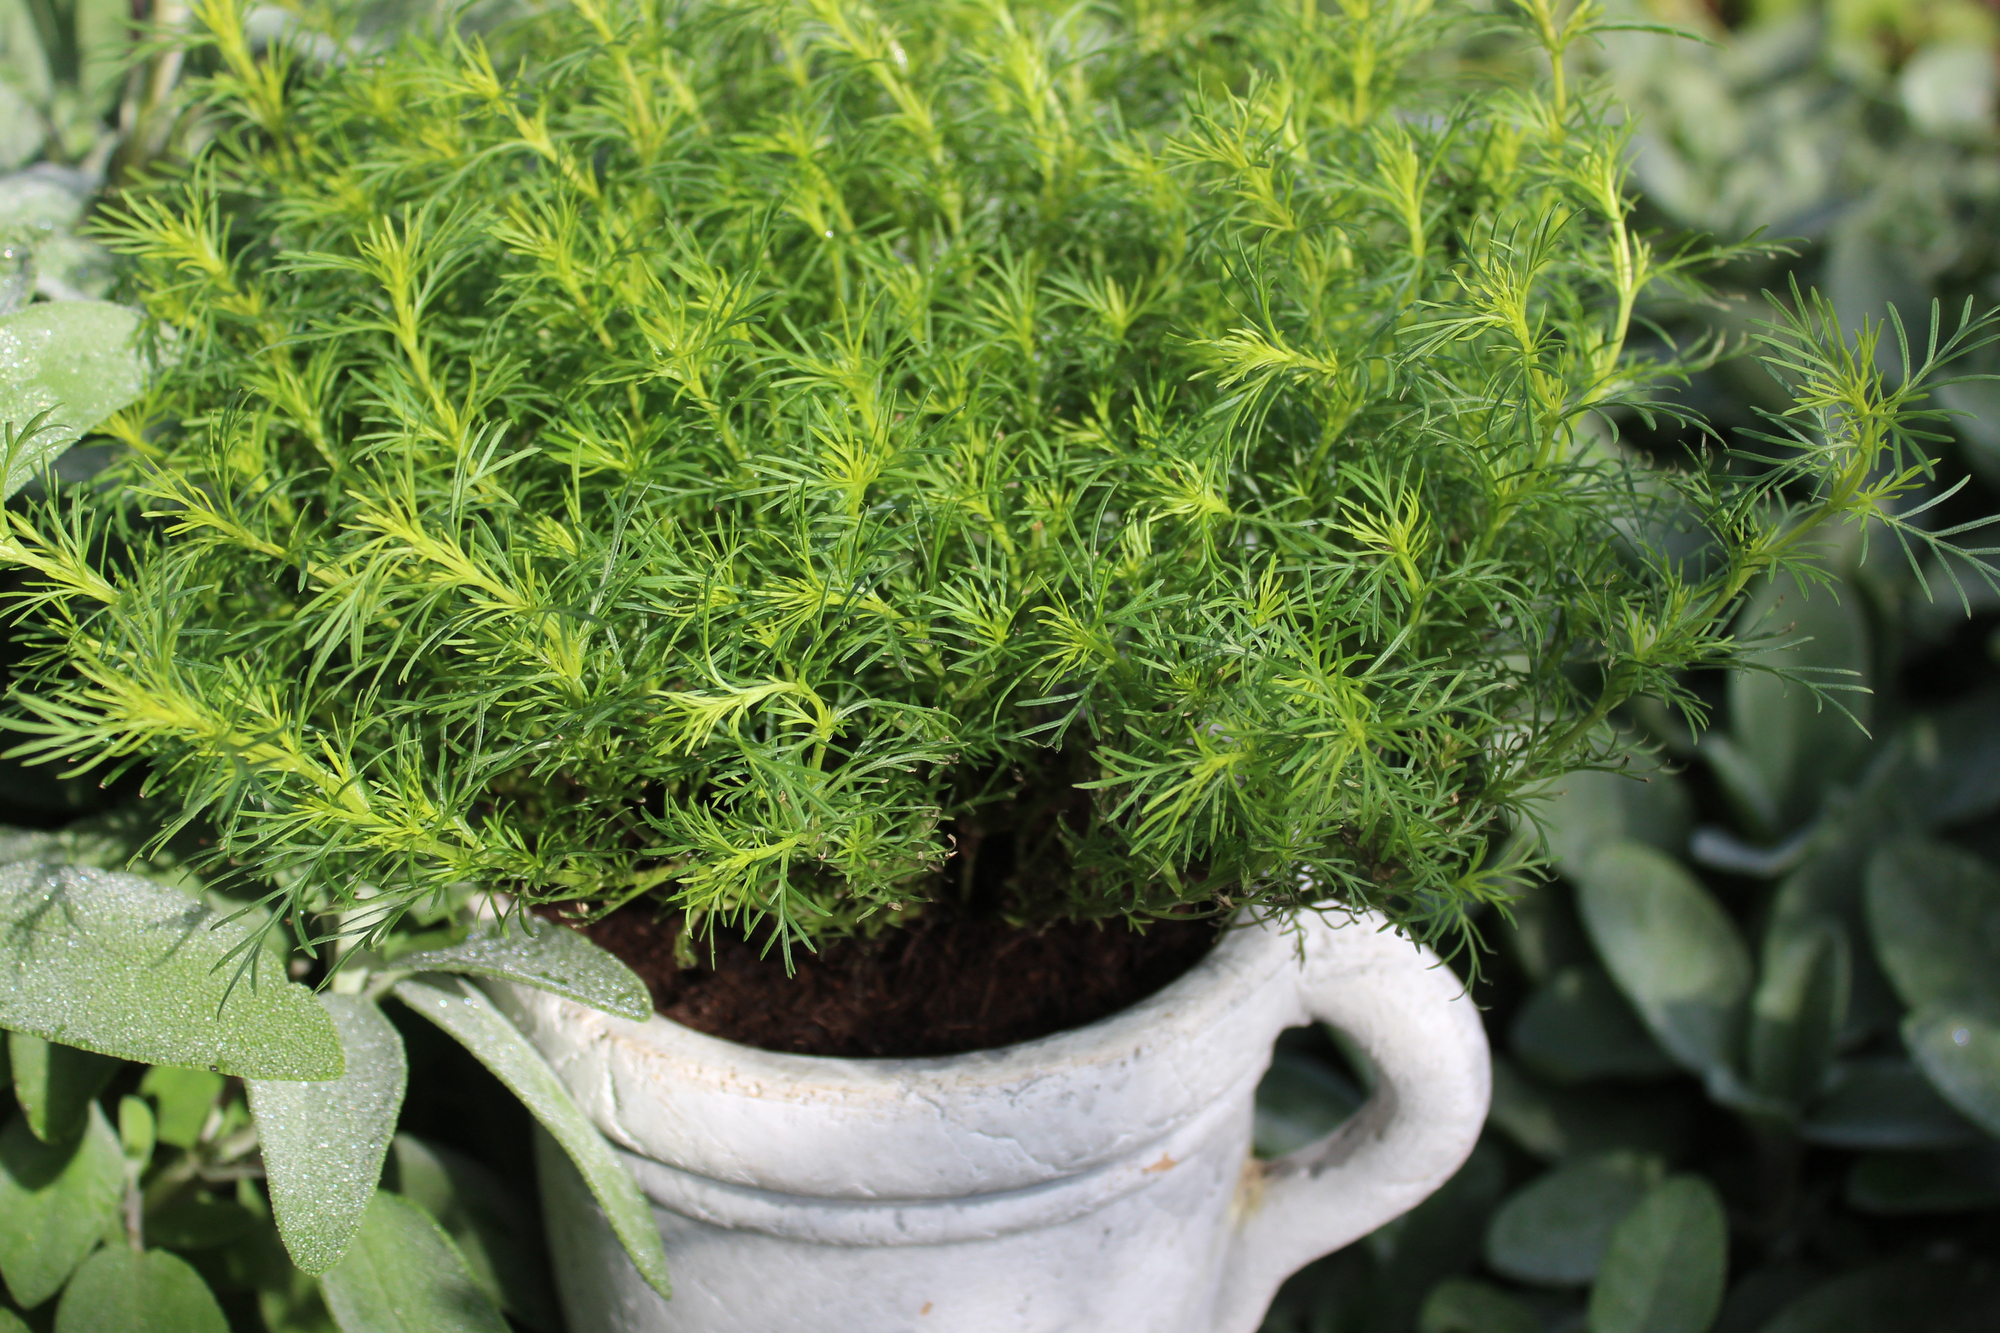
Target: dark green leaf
1799, 1009
1904, 1296
465, 1012
496, 1233
1433, 1241
291, 1301
1758, 1295
1461, 1305
1954, 1180
1300, 1100
1883, 1103
55, 1202
1545, 934
1743, 785
1672, 950
547, 956
1576, 1027
1959, 1052
1797, 740
1665, 1267
403, 1275
1934, 913
55, 1084
76, 359
11, 1322
1564, 1123
1592, 809
197, 1222
324, 1142
1555, 1229
121, 965
1829, 886
1949, 768
154, 1292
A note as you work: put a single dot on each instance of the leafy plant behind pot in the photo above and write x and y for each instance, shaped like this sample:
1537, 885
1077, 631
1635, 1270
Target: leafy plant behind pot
314, 1116
1827, 985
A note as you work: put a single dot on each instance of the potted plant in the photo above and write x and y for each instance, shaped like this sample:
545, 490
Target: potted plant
863, 509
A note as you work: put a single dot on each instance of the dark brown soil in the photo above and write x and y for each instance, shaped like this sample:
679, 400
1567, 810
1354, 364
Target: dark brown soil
937, 987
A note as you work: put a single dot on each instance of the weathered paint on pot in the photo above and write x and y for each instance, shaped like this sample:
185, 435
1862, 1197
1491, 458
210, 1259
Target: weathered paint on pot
1096, 1180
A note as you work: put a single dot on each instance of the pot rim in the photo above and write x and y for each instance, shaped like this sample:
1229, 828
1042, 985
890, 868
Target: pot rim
929, 1127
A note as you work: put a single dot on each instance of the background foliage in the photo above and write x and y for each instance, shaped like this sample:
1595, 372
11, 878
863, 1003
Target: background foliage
1768, 966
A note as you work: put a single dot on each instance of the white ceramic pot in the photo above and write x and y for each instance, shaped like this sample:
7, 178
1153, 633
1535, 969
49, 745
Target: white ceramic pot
1096, 1181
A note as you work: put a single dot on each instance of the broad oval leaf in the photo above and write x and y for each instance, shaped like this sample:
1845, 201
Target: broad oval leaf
56, 1199
1959, 1053
11, 1323
153, 1292
1576, 1027
455, 1005
1555, 1229
403, 1275
26, 844
1672, 950
1799, 1009
1900, 1184
548, 956
1830, 885
1883, 1103
1588, 810
1545, 934
494, 1229
110, 841
1906, 1295
324, 1142
1567, 1123
1742, 784
1441, 1235
1934, 914
1794, 733
1665, 1267
55, 1084
200, 1222
1300, 1100
121, 965
1460, 1305
77, 360
1949, 768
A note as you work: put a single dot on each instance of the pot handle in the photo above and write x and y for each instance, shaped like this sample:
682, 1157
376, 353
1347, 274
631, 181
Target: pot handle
1433, 1078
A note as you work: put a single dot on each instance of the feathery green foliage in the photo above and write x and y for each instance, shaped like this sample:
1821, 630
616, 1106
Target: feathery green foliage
805, 460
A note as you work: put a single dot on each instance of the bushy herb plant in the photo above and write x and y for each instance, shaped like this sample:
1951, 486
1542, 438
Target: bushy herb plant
805, 462
1742, 974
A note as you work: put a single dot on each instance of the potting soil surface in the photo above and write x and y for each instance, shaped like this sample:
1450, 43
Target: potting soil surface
937, 987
